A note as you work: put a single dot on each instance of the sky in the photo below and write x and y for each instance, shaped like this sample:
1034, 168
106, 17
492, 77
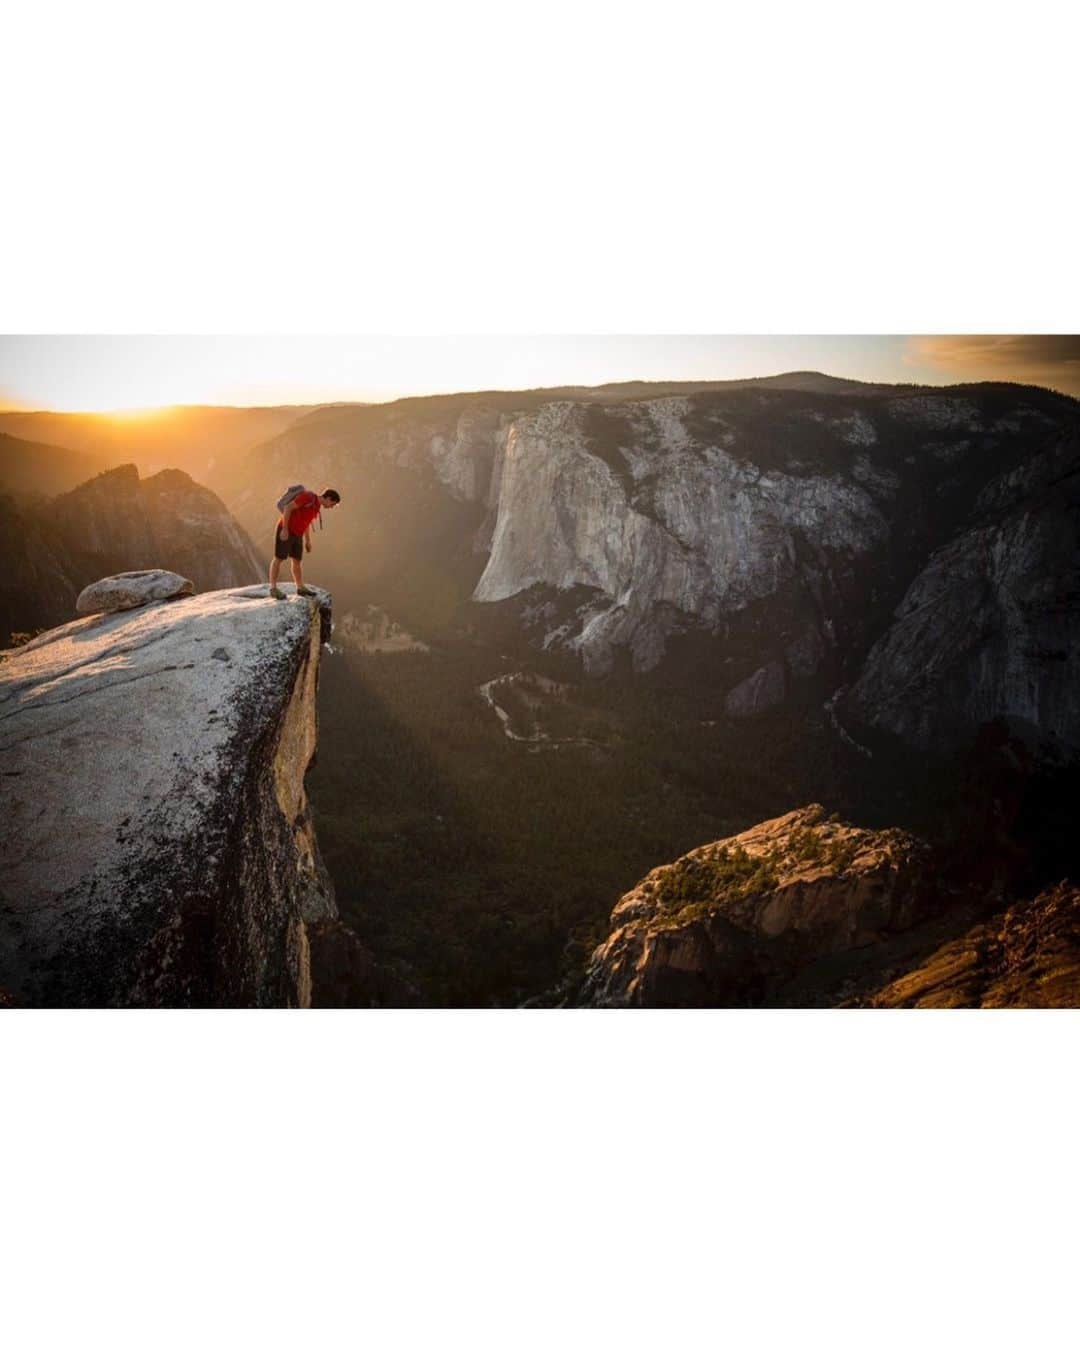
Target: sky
77, 373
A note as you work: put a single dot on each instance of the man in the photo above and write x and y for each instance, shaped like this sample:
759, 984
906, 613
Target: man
293, 535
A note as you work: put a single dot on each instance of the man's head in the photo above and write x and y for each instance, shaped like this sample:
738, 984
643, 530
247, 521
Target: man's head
329, 498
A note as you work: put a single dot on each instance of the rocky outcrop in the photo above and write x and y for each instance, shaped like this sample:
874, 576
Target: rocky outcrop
806, 911
730, 923
119, 523
1026, 957
156, 844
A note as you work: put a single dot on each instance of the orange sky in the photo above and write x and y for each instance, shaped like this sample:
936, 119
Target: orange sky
107, 373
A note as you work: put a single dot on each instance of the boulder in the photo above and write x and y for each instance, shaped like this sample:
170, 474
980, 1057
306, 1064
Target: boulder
129, 590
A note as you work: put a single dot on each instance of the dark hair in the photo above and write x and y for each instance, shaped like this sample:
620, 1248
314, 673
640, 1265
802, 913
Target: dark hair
334, 496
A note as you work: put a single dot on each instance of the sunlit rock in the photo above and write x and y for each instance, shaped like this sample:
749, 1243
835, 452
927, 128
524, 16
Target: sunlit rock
129, 590
728, 923
156, 842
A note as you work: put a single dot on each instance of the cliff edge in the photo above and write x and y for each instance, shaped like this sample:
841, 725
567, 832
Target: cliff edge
156, 845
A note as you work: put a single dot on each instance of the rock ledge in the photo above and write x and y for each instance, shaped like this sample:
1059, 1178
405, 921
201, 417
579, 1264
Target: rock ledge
156, 846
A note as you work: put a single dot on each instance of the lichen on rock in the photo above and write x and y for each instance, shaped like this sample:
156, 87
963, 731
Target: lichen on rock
729, 922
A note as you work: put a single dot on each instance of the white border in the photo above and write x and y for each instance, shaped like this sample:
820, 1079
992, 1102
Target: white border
500, 1179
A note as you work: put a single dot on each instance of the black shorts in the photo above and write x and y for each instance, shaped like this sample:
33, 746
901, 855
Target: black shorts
293, 547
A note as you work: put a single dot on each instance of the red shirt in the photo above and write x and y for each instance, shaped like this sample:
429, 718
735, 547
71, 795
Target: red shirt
305, 507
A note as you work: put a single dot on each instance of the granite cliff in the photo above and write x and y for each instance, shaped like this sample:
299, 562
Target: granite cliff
990, 627
156, 843
806, 539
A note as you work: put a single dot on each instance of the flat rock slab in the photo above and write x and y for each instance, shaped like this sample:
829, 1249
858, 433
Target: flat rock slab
128, 747
129, 590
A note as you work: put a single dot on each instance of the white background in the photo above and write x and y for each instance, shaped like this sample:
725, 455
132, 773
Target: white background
516, 1179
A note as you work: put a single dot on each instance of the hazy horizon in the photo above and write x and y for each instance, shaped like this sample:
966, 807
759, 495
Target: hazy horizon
129, 374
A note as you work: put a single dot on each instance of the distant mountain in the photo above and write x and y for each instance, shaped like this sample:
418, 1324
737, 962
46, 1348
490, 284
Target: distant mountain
198, 440
419, 472
118, 523
30, 470
758, 535
801, 381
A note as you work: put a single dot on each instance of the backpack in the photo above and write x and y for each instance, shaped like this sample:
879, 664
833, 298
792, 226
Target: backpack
289, 494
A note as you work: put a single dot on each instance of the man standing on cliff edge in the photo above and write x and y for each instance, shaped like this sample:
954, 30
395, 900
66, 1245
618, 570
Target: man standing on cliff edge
293, 535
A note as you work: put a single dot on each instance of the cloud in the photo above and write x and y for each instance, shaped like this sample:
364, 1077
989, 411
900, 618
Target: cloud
1030, 358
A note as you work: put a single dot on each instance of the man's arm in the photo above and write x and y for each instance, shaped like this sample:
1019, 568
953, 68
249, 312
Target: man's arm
307, 539
285, 517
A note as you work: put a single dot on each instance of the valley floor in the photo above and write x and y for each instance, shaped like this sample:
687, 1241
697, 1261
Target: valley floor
480, 821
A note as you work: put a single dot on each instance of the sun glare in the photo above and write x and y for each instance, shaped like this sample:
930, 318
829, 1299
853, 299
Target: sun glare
133, 414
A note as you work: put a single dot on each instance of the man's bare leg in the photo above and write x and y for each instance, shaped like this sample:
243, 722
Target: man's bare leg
275, 568
298, 577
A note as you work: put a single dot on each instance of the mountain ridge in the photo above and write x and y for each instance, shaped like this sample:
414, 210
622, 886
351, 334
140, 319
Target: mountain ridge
119, 522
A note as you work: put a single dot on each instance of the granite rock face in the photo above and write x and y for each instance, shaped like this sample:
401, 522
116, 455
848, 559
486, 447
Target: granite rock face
129, 590
156, 843
167, 520
666, 525
727, 924
990, 628
798, 511
783, 521
1028, 956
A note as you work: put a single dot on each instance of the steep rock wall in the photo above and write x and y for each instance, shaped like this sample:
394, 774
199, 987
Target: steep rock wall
659, 525
788, 525
990, 628
782, 521
119, 522
156, 846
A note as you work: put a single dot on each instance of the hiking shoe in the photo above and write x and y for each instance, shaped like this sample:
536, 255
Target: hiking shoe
304, 590
276, 594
